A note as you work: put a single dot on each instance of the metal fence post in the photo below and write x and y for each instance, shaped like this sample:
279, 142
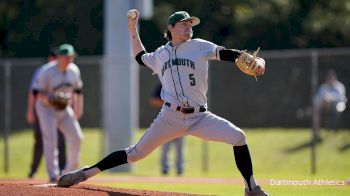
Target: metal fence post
314, 81
7, 114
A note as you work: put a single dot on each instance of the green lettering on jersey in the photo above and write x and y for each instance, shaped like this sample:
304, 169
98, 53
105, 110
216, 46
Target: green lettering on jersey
178, 62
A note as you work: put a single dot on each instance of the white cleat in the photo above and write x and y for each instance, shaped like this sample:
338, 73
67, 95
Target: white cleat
257, 191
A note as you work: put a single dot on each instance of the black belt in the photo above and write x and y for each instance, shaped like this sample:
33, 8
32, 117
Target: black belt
186, 110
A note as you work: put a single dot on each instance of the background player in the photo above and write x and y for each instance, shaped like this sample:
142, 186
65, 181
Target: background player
182, 67
61, 77
330, 97
157, 102
32, 119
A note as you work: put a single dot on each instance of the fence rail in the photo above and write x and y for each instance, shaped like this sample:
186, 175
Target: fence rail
284, 90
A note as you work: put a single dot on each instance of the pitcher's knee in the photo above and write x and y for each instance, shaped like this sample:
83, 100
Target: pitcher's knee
134, 154
240, 138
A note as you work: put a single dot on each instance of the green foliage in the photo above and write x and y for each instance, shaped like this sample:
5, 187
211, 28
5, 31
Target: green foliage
272, 24
30, 28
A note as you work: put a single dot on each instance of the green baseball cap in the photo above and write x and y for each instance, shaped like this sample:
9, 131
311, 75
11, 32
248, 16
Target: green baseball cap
66, 49
182, 16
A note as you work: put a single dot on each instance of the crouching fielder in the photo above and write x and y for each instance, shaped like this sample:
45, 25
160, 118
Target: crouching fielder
182, 68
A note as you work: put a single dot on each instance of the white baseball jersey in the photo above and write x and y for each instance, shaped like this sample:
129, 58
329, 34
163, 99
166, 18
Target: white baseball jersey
37, 71
183, 70
51, 79
333, 92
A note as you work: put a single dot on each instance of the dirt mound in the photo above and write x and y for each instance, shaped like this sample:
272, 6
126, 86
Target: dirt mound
78, 190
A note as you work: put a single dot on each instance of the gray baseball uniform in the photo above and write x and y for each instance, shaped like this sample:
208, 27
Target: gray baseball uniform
38, 143
183, 72
49, 80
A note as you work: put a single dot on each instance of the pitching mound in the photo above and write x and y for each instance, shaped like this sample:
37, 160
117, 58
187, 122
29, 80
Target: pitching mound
78, 190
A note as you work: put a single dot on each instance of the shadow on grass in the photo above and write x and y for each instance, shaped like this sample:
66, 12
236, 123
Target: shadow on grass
307, 144
344, 148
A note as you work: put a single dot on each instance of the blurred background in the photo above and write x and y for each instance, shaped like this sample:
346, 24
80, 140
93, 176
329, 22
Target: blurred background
293, 36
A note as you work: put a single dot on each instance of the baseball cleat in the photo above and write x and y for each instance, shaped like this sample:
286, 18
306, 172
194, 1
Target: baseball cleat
72, 178
257, 191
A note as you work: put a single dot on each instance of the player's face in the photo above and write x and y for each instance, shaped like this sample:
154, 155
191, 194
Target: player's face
331, 79
182, 30
63, 60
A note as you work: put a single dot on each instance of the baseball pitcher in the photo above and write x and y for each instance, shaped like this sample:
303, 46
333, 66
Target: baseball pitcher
182, 68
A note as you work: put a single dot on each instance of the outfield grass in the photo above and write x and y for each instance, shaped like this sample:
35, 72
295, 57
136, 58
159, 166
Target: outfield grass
233, 190
278, 154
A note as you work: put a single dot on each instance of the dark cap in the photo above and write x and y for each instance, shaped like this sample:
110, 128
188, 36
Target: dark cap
65, 49
182, 16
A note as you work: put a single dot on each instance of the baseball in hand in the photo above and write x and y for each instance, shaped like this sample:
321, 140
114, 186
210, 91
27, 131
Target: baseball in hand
132, 14
261, 66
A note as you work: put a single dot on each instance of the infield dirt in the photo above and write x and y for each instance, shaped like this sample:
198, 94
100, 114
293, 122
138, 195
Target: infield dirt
78, 190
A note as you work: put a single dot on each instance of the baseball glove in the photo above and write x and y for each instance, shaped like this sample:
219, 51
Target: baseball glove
250, 64
59, 100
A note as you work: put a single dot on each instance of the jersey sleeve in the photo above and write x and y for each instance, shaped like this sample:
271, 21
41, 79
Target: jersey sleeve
38, 80
156, 59
78, 83
35, 75
342, 92
209, 49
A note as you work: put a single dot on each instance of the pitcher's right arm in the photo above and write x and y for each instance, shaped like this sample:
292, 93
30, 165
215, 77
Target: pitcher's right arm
136, 44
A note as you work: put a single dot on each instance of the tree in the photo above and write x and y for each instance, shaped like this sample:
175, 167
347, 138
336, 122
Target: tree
30, 28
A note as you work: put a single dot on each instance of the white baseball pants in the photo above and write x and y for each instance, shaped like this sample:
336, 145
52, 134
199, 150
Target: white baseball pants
50, 120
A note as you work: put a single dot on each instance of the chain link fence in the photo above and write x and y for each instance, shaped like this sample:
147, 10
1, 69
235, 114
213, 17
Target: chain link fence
281, 98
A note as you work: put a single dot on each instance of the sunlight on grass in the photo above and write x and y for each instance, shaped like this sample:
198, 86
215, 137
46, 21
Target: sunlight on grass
280, 154
229, 190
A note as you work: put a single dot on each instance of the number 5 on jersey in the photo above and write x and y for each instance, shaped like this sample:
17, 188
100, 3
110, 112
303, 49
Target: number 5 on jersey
192, 79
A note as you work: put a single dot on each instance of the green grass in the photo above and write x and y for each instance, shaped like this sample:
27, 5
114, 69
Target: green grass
21, 150
229, 190
271, 149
